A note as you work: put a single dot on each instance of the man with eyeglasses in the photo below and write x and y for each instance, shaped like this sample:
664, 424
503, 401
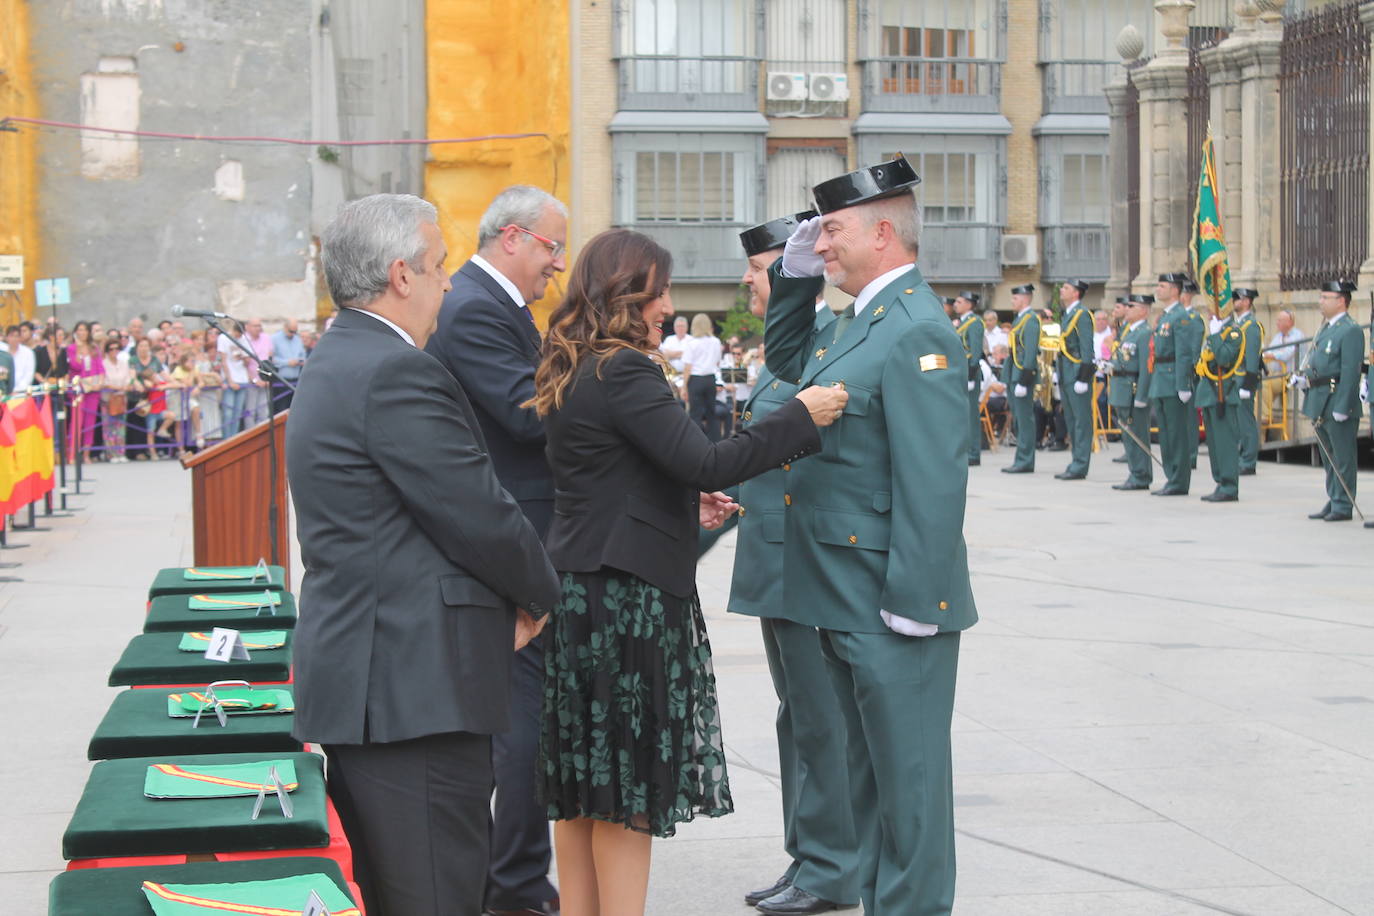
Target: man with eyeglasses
487, 338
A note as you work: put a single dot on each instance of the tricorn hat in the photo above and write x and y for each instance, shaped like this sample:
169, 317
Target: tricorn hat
1176, 279
772, 234
970, 295
1338, 286
1024, 289
1080, 285
885, 179
949, 301
1190, 287
1244, 292
1142, 299
1123, 300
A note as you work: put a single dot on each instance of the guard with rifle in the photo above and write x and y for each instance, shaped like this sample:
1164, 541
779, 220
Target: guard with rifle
1126, 392
1251, 366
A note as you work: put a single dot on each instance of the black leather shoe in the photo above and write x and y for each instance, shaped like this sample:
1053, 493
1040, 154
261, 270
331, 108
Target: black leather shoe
754, 898
1119, 459
1370, 523
1193, 465
1015, 470
1321, 513
1059, 447
1220, 498
1338, 516
1130, 486
1168, 491
974, 464
1065, 475
794, 901
1247, 472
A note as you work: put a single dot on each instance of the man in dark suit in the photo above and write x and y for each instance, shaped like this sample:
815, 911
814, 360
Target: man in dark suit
421, 573
486, 337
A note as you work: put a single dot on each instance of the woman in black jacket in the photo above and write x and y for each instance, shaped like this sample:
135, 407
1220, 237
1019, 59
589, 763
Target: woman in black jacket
631, 741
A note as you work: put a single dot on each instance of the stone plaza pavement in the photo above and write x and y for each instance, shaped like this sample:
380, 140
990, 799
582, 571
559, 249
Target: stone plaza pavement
1167, 708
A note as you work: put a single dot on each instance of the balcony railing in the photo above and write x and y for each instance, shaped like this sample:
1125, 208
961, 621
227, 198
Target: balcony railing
1082, 252
702, 252
932, 84
1075, 86
961, 252
662, 83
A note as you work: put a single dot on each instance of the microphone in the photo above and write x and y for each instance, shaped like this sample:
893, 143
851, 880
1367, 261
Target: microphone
181, 311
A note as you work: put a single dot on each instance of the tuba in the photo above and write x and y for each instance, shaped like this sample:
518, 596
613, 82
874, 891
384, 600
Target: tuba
1050, 340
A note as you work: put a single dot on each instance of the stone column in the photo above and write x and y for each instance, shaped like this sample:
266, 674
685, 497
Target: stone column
1366, 278
1129, 44
1163, 85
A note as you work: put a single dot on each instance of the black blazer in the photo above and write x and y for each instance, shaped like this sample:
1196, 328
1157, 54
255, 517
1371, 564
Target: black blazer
492, 349
629, 464
415, 557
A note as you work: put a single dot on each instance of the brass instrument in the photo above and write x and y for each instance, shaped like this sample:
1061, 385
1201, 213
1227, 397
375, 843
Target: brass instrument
1050, 338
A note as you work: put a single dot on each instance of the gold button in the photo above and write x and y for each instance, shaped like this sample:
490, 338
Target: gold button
775, 386
853, 539
944, 605
748, 415
787, 467
787, 499
741, 512
909, 291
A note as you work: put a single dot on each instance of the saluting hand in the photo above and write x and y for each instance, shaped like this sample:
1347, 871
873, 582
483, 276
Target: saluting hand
799, 258
825, 404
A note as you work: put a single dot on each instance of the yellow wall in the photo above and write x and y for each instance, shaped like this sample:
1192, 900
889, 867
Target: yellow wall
18, 185
496, 69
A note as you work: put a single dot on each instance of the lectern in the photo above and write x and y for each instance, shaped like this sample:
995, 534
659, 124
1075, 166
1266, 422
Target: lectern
230, 483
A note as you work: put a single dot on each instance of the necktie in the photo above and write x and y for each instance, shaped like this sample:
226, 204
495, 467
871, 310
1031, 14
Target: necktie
842, 322
525, 310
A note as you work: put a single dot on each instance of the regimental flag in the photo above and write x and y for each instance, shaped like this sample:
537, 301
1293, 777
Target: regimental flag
1208, 245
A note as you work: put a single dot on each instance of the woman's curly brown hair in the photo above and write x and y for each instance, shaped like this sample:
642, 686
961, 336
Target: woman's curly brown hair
615, 275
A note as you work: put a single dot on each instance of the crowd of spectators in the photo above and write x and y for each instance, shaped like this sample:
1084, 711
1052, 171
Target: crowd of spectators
704, 372
140, 393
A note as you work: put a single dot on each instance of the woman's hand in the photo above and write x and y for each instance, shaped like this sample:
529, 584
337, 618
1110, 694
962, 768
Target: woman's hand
825, 404
715, 508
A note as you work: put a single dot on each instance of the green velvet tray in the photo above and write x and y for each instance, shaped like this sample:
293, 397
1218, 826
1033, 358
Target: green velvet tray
153, 658
137, 725
173, 612
118, 891
171, 581
113, 818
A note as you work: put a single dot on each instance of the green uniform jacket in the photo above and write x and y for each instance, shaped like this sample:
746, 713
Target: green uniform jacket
1177, 342
1128, 365
1075, 359
875, 522
1022, 366
756, 587
971, 333
1333, 370
1252, 360
6, 363
1224, 348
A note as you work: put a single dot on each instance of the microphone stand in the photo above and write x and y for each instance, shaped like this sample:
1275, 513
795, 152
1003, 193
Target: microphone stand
267, 371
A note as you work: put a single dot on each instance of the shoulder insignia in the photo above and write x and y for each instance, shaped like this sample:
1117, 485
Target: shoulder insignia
933, 361
909, 291
820, 354
879, 310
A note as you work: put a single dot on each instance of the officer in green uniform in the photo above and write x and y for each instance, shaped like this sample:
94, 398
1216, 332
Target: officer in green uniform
1331, 377
1251, 366
1218, 396
1076, 367
873, 547
1020, 373
1186, 294
970, 329
818, 822
1126, 384
1173, 353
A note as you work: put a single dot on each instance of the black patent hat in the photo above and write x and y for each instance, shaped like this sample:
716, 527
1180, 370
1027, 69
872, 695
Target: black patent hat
949, 301
1123, 300
1338, 286
1245, 292
1144, 298
1190, 287
886, 179
970, 295
772, 234
1025, 289
1080, 285
1178, 280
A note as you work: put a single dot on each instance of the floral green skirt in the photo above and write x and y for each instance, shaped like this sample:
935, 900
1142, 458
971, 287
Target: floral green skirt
631, 730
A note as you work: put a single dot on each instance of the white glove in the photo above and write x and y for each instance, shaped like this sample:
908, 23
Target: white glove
1141, 404
907, 627
1080, 387
1185, 396
1245, 394
1019, 391
970, 384
1216, 324
1298, 381
1339, 417
1364, 390
799, 258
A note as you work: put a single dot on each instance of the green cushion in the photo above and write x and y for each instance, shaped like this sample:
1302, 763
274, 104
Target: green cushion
173, 581
173, 612
113, 818
137, 725
153, 658
118, 891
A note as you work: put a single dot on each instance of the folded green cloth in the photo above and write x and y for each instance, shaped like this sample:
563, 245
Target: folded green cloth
278, 897
253, 640
219, 573
234, 601
236, 701
171, 780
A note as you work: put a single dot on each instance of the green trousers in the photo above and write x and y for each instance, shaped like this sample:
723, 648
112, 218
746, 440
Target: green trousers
1138, 462
897, 697
817, 818
1339, 438
1223, 452
1023, 422
1248, 432
1175, 419
1078, 416
975, 426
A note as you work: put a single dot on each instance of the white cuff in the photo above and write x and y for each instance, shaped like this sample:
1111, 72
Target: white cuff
907, 627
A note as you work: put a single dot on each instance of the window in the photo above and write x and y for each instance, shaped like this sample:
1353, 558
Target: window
677, 54
1074, 206
792, 173
808, 37
1078, 49
925, 54
685, 187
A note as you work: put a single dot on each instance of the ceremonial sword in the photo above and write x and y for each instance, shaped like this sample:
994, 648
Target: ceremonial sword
1331, 463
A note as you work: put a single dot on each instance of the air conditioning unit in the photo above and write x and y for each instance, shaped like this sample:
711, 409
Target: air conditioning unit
786, 87
1020, 250
828, 87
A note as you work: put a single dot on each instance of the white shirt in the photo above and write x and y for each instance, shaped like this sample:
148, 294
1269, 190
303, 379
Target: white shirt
674, 342
234, 361
989, 376
23, 368
702, 354
1286, 356
389, 323
496, 275
994, 337
876, 286
1099, 341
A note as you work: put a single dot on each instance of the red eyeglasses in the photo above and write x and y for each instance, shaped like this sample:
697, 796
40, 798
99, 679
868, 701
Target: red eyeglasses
556, 249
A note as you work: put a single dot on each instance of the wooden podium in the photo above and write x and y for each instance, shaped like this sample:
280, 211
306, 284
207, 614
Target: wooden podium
229, 487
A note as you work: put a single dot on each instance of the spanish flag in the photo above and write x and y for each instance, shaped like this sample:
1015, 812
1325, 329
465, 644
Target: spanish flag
1208, 245
26, 453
